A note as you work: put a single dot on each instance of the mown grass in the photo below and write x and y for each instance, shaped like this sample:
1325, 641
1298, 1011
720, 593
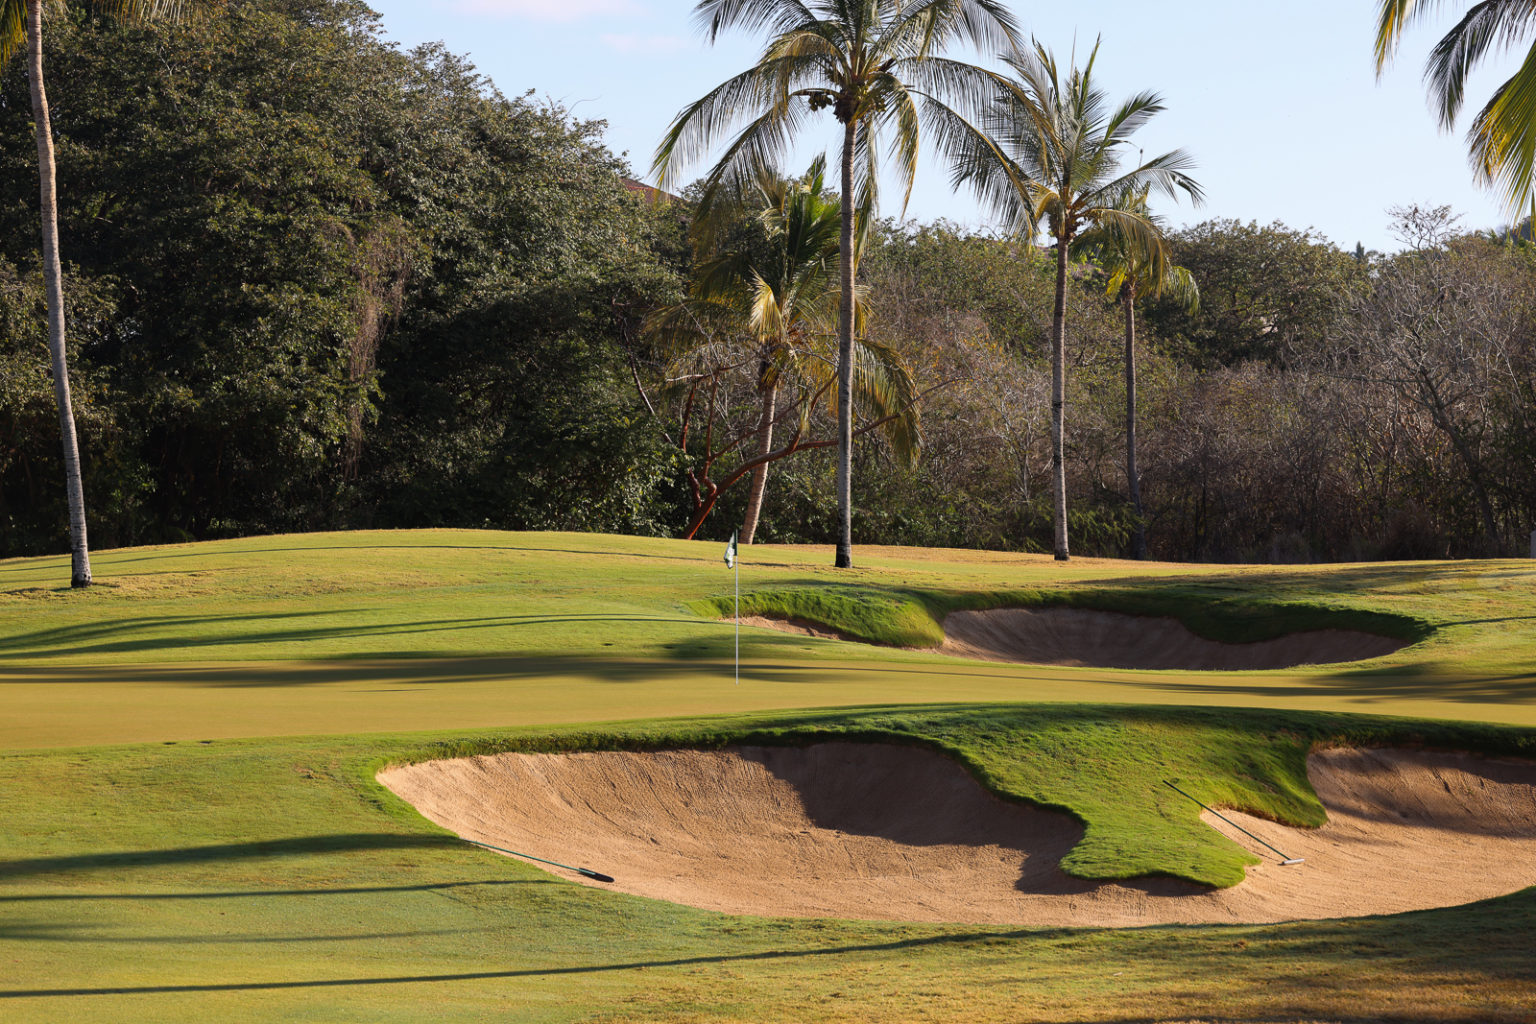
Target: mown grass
211, 876
275, 880
380, 631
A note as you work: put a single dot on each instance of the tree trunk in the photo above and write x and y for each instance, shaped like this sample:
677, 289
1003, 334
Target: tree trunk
1132, 478
1059, 400
760, 474
845, 360
53, 283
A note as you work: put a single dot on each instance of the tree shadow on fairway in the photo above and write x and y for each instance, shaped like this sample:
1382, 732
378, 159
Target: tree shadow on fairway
536, 972
404, 668
306, 845
24, 932
98, 637
1485, 942
1422, 681
241, 894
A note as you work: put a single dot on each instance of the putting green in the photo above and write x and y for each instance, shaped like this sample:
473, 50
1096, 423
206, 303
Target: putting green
383, 631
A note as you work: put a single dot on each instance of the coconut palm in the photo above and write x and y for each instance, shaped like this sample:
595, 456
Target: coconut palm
873, 64
1052, 156
21, 23
1502, 138
1137, 272
769, 304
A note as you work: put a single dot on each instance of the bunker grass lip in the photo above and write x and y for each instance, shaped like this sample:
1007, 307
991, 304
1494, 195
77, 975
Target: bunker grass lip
884, 832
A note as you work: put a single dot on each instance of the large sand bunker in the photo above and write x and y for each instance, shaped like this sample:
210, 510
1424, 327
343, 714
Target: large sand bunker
885, 832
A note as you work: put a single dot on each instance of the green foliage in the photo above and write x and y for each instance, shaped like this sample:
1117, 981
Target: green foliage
1267, 293
351, 284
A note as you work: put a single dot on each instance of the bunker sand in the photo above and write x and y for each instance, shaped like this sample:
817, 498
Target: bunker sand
893, 833
1094, 639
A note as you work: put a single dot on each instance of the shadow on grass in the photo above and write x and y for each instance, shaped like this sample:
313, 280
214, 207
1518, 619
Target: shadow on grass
241, 894
1487, 939
64, 933
95, 638
1427, 681
339, 843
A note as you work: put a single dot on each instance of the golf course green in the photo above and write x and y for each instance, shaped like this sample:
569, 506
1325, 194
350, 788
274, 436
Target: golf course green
194, 830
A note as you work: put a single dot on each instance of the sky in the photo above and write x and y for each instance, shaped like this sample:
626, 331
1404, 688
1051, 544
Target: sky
1279, 104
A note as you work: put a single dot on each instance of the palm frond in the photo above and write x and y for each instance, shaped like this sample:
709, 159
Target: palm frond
1391, 20
1502, 138
883, 387
13, 29
1502, 22
777, 16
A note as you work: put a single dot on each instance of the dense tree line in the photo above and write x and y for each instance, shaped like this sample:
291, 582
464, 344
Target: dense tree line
316, 282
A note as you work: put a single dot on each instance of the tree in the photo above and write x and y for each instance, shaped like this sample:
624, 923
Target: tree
1054, 158
318, 282
21, 21
873, 63
1444, 328
1136, 271
1502, 137
762, 305
1267, 293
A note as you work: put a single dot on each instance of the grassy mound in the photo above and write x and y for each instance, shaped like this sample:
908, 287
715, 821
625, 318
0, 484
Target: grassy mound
903, 617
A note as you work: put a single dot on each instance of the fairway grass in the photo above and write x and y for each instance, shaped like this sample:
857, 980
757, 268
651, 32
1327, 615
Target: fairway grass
193, 830
386, 631
275, 880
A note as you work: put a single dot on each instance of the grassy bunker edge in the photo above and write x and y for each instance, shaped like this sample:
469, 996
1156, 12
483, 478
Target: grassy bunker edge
1102, 764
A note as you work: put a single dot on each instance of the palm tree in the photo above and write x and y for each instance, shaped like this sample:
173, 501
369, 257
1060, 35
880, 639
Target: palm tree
21, 22
777, 292
872, 63
1502, 138
1052, 155
1137, 272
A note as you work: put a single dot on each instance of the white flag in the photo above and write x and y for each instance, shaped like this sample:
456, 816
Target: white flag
730, 552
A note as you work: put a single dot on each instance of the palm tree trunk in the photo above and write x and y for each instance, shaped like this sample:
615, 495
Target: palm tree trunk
1059, 401
1132, 478
845, 360
53, 283
760, 474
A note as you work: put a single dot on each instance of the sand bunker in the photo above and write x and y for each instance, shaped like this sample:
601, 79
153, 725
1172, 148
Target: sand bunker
1078, 636
1075, 636
894, 833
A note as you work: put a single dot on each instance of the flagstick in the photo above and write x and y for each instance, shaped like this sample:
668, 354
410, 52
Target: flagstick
738, 614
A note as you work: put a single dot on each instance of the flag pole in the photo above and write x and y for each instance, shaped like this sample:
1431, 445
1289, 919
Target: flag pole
732, 562
738, 613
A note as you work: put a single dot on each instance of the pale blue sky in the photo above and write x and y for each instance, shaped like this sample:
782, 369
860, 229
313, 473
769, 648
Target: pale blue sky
1278, 103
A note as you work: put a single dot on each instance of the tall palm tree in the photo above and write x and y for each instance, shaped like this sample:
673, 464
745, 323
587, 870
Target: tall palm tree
1138, 272
779, 293
1502, 138
1052, 155
21, 23
873, 63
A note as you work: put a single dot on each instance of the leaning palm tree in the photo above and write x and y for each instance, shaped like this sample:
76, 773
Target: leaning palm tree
21, 23
1136, 271
1502, 137
766, 304
873, 64
1051, 155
